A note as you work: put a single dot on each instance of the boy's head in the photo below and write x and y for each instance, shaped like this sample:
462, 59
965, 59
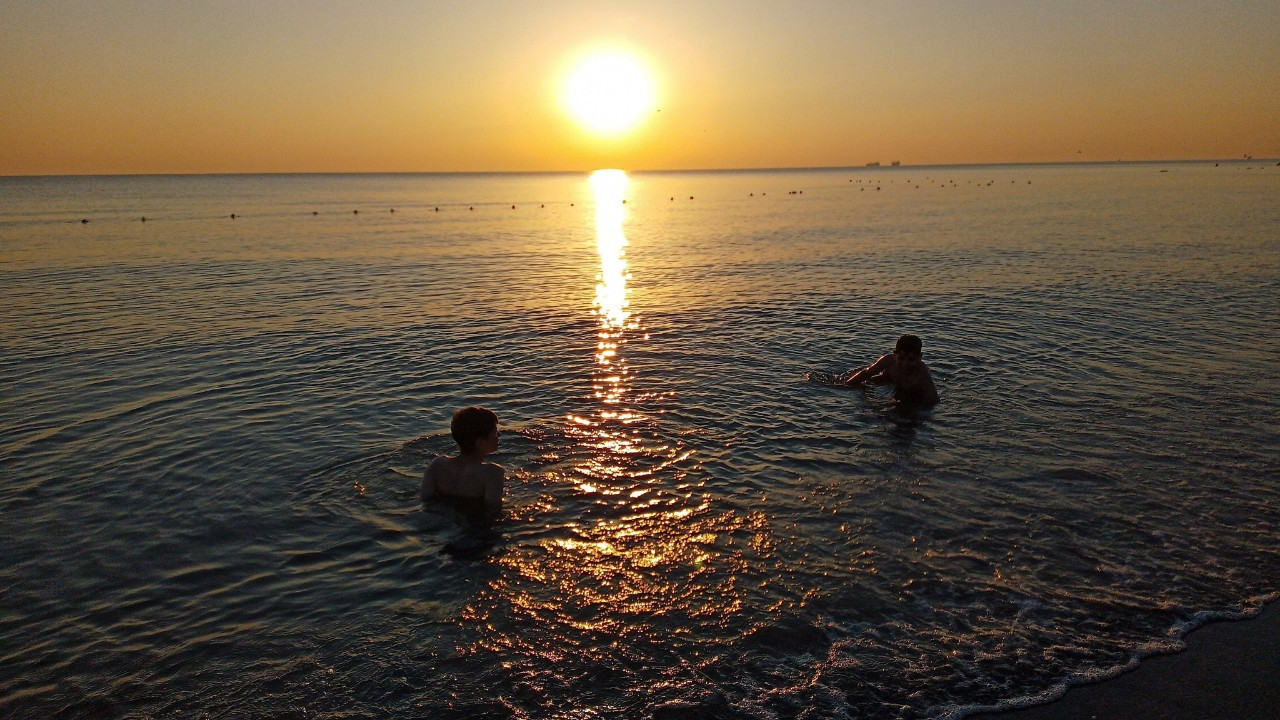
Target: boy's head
909, 345
470, 424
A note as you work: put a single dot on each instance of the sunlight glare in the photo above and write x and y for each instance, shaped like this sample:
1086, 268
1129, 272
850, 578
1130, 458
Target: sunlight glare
610, 190
610, 379
609, 93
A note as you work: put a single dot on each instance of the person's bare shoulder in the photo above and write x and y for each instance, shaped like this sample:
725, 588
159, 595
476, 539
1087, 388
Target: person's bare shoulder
436, 466
493, 478
934, 397
434, 469
883, 370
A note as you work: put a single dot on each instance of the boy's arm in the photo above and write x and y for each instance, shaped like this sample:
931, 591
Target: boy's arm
493, 487
869, 371
931, 390
428, 489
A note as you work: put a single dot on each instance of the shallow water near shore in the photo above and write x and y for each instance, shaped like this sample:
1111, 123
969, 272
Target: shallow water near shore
213, 430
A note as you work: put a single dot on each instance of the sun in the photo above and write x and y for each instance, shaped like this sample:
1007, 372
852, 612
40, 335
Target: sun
609, 93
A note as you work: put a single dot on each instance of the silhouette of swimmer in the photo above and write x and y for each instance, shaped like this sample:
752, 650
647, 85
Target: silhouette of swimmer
912, 384
465, 480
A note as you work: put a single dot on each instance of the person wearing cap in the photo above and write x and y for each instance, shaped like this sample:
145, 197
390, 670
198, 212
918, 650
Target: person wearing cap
912, 384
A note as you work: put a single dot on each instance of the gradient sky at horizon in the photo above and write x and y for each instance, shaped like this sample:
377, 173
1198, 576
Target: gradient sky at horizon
164, 86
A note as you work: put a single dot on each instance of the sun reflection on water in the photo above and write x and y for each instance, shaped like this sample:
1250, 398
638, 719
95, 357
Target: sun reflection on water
610, 190
637, 566
611, 304
606, 432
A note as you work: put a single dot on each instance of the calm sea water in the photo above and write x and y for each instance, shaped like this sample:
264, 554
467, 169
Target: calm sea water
212, 430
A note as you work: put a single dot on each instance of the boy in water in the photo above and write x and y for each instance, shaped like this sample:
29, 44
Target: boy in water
912, 384
467, 480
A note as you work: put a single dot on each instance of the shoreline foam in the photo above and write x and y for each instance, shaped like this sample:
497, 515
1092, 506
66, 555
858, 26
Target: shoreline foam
1229, 670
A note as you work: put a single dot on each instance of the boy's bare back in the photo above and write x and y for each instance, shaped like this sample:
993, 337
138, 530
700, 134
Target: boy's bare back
467, 477
448, 477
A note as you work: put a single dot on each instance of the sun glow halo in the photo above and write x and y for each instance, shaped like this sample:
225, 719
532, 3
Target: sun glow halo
609, 93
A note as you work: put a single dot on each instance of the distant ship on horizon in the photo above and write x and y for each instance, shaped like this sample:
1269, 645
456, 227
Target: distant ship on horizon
873, 164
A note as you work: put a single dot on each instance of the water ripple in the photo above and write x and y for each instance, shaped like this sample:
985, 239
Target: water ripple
210, 506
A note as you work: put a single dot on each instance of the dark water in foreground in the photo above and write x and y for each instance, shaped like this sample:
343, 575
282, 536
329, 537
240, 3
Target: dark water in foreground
212, 430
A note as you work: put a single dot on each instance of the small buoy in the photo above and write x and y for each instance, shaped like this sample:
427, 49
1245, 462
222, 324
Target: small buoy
543, 205
624, 201
144, 218
393, 209
355, 212
471, 208
313, 212
690, 197
513, 207
84, 221
437, 209
233, 217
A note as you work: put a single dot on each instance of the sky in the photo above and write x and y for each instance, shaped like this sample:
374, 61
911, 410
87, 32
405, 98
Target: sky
227, 86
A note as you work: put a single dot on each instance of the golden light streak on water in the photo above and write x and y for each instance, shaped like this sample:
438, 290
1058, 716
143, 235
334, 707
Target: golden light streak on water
609, 188
648, 541
605, 432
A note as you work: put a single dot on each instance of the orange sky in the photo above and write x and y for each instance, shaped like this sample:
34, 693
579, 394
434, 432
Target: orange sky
327, 86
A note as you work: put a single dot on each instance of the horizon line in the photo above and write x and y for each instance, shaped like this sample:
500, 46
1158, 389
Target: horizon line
796, 168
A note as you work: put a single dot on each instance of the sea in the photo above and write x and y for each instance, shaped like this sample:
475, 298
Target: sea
214, 421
